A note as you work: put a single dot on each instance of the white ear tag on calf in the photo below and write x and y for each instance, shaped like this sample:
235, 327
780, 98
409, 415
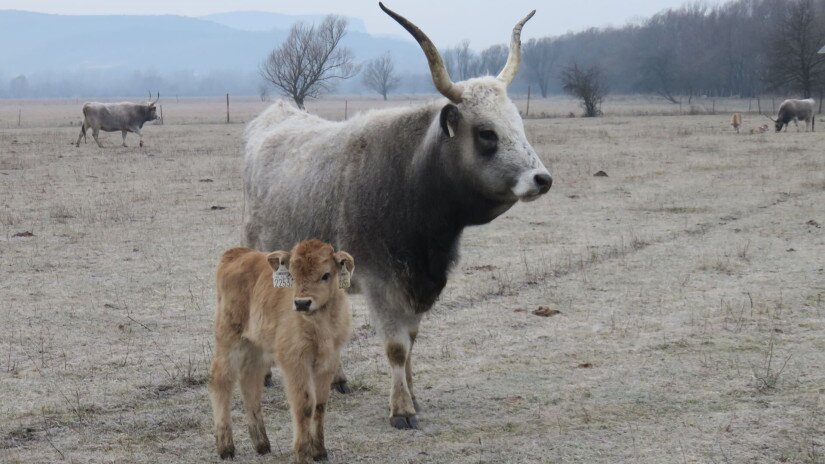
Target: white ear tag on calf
450, 130
281, 278
344, 278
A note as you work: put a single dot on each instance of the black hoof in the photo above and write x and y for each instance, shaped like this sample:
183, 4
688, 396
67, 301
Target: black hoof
404, 423
322, 456
268, 381
341, 387
263, 448
227, 453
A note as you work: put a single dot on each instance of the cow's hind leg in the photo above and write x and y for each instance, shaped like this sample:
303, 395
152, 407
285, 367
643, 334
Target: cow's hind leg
124, 137
252, 370
95, 133
82, 134
221, 381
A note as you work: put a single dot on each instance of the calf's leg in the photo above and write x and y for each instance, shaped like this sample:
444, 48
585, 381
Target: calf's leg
253, 368
301, 395
221, 381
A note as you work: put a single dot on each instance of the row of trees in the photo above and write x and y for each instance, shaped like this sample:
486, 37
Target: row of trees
740, 48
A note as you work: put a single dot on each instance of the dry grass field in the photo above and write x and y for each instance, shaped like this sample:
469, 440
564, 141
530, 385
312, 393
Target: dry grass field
690, 285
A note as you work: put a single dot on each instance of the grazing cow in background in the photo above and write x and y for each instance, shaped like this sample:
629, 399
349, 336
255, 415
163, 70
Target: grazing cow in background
795, 110
736, 121
287, 306
112, 117
395, 187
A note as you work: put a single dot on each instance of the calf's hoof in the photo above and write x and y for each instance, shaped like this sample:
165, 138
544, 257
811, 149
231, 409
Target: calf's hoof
141, 143
404, 422
341, 387
227, 453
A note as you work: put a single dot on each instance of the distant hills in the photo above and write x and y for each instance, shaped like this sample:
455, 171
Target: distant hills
219, 51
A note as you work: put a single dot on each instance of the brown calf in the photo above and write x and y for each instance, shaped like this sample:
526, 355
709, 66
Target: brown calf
736, 121
302, 326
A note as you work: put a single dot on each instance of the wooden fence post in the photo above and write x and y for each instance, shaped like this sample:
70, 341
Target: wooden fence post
346, 109
227, 108
527, 111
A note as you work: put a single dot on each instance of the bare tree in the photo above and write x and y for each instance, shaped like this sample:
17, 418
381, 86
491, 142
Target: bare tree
263, 91
310, 60
493, 59
379, 75
461, 61
540, 58
586, 85
797, 38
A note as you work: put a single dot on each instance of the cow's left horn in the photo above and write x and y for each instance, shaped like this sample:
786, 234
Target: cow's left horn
514, 58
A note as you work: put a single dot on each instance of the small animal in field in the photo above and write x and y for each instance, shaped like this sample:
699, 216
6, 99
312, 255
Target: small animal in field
759, 130
290, 306
736, 121
112, 117
795, 110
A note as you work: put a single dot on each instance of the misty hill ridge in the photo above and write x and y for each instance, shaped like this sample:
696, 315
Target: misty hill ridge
37, 42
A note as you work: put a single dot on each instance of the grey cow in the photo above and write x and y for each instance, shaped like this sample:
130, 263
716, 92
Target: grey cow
795, 110
396, 188
112, 117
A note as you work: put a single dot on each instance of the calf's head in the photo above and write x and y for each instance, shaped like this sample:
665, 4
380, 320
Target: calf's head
315, 273
482, 128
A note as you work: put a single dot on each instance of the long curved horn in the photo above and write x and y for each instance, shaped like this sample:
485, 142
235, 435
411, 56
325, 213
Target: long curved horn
156, 99
772, 119
514, 58
441, 78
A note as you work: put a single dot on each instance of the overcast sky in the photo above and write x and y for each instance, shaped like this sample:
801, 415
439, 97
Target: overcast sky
445, 21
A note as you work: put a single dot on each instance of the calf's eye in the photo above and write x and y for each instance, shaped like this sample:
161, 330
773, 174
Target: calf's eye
325, 276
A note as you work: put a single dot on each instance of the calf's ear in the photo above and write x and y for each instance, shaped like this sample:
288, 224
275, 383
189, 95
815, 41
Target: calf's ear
279, 262
450, 116
347, 265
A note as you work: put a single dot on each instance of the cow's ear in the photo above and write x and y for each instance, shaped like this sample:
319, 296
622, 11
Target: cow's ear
450, 116
279, 262
277, 259
346, 264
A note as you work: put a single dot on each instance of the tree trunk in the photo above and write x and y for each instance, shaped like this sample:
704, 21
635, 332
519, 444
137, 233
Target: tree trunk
385, 96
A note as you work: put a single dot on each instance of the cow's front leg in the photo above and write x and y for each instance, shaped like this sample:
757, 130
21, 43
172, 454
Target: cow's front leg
140, 134
398, 344
123, 132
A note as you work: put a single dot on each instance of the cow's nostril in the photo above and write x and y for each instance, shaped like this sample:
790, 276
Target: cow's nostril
302, 304
544, 181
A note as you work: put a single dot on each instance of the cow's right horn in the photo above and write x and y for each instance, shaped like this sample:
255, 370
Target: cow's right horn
441, 78
514, 58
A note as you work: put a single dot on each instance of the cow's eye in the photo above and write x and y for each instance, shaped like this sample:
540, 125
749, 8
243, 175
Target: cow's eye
325, 276
488, 135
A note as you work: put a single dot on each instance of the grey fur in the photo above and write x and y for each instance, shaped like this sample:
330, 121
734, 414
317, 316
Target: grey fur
112, 117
